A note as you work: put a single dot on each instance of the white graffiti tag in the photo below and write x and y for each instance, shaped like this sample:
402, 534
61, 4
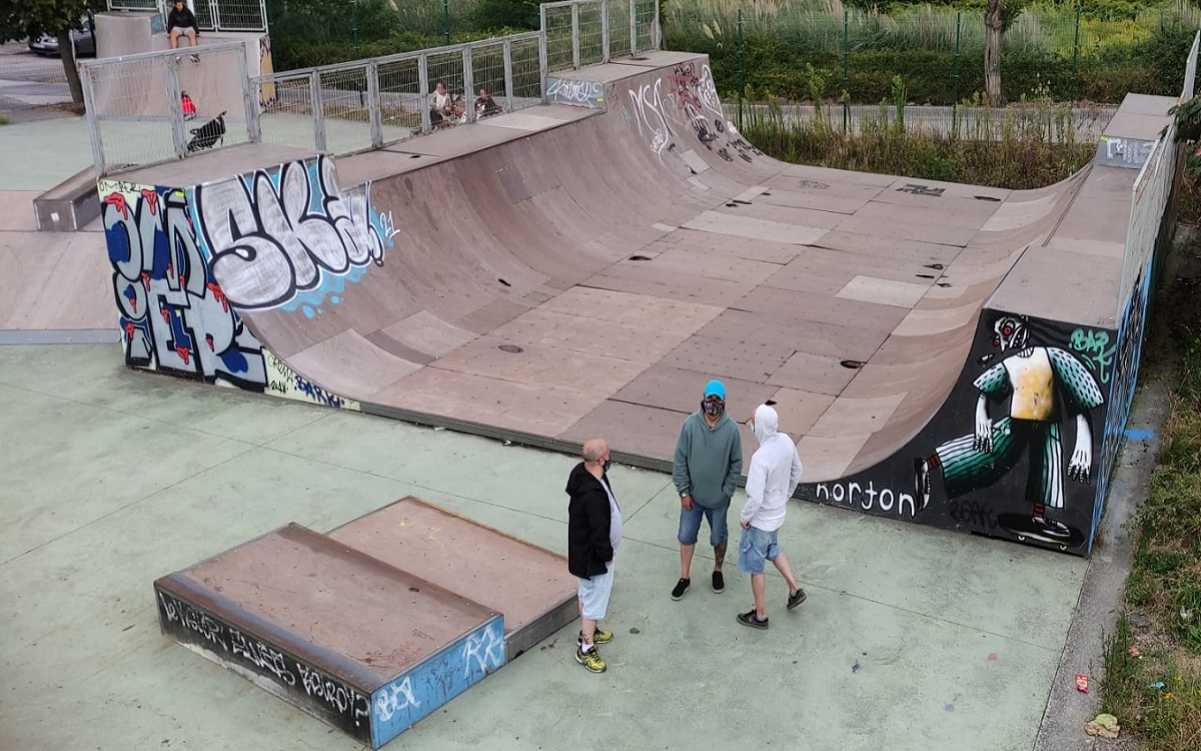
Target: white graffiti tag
270, 243
395, 698
647, 103
564, 91
484, 651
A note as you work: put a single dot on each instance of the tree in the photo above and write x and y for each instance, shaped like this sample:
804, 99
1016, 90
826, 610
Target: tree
28, 19
998, 16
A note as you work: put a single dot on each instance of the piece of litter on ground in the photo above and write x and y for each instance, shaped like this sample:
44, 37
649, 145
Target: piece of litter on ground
993, 657
1082, 683
948, 707
1105, 726
1158, 685
508, 443
855, 667
1134, 651
635, 630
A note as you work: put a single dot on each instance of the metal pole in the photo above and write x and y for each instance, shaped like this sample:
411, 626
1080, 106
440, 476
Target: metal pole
468, 85
604, 31
955, 101
656, 29
423, 83
446, 19
542, 66
741, 70
575, 37
1076, 54
846, 70
633, 27
250, 100
373, 108
176, 109
89, 103
318, 115
509, 73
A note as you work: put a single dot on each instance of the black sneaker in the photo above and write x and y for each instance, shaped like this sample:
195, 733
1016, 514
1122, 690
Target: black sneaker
719, 582
796, 599
750, 619
681, 587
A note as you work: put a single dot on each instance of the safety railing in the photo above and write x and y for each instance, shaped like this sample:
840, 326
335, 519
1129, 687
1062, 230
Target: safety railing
156, 106
211, 15
587, 32
365, 104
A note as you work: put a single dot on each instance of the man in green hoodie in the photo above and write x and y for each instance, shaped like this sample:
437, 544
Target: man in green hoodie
707, 465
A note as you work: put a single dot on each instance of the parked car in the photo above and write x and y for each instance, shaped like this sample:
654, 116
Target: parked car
85, 41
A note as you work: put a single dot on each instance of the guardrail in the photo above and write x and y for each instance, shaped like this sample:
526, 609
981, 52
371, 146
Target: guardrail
587, 32
211, 15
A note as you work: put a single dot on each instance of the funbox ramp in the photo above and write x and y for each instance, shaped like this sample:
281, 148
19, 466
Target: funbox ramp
375, 625
582, 268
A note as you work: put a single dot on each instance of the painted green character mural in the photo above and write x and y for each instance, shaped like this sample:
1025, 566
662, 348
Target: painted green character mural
1043, 386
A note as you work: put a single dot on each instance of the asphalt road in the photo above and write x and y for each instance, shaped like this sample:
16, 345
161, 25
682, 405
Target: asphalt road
32, 87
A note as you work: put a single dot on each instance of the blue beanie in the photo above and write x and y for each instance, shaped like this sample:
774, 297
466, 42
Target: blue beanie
715, 388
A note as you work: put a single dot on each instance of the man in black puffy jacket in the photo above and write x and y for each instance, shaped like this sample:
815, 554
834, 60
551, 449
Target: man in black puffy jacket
593, 534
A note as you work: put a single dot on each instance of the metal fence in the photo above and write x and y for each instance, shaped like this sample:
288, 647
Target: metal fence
211, 15
587, 32
157, 106
367, 104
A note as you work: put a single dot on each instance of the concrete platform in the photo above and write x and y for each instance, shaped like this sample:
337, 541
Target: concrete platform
528, 585
356, 642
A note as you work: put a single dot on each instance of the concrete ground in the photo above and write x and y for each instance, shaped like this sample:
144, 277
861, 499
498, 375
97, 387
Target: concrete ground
912, 638
32, 87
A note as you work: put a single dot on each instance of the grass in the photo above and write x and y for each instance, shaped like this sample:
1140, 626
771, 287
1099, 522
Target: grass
3, 120
1157, 695
1017, 148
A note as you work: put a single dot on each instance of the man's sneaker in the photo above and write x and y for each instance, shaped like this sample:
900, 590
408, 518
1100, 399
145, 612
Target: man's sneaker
750, 619
719, 582
591, 660
796, 599
599, 636
681, 587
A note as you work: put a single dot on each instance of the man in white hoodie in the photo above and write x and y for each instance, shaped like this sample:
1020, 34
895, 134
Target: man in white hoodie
774, 475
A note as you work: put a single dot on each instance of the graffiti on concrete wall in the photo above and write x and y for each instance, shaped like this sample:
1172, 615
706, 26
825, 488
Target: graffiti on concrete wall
646, 105
174, 315
286, 238
697, 101
406, 699
285, 382
589, 94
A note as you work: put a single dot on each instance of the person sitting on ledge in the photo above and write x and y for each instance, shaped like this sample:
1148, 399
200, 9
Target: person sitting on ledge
447, 110
485, 105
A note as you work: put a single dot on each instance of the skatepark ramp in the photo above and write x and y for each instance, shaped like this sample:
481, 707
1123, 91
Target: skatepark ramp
945, 354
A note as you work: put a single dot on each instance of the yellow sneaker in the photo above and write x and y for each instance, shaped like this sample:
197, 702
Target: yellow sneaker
591, 660
601, 636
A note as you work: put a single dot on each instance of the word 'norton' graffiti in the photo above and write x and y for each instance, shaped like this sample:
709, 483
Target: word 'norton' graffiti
866, 497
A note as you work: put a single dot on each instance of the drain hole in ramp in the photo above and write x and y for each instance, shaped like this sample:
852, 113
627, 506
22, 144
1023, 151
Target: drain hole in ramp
640, 258
852, 364
987, 198
414, 156
502, 281
732, 205
944, 284
935, 266
770, 402
924, 276
512, 349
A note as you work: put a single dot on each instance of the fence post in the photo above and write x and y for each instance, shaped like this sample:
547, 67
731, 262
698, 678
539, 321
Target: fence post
604, 31
846, 70
89, 104
373, 105
543, 65
176, 109
250, 100
656, 29
955, 101
318, 115
575, 37
633, 27
468, 85
1076, 55
509, 73
741, 69
423, 82
446, 19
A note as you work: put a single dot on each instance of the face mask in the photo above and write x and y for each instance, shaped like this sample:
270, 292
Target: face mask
713, 408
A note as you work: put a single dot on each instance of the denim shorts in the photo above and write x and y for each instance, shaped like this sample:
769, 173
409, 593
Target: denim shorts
755, 547
690, 524
594, 595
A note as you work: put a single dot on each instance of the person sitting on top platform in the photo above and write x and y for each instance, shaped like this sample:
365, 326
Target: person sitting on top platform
447, 110
485, 105
181, 22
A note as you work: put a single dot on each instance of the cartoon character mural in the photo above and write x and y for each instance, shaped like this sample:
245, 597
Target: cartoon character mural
1043, 385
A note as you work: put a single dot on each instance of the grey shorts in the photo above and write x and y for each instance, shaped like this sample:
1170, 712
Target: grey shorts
594, 595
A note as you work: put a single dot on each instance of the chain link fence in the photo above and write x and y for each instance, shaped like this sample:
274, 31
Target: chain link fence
587, 32
155, 106
211, 15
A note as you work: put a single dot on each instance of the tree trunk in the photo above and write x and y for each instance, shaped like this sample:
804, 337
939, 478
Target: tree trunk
66, 50
992, 54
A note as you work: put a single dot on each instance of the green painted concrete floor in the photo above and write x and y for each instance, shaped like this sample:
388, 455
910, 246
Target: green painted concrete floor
111, 478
